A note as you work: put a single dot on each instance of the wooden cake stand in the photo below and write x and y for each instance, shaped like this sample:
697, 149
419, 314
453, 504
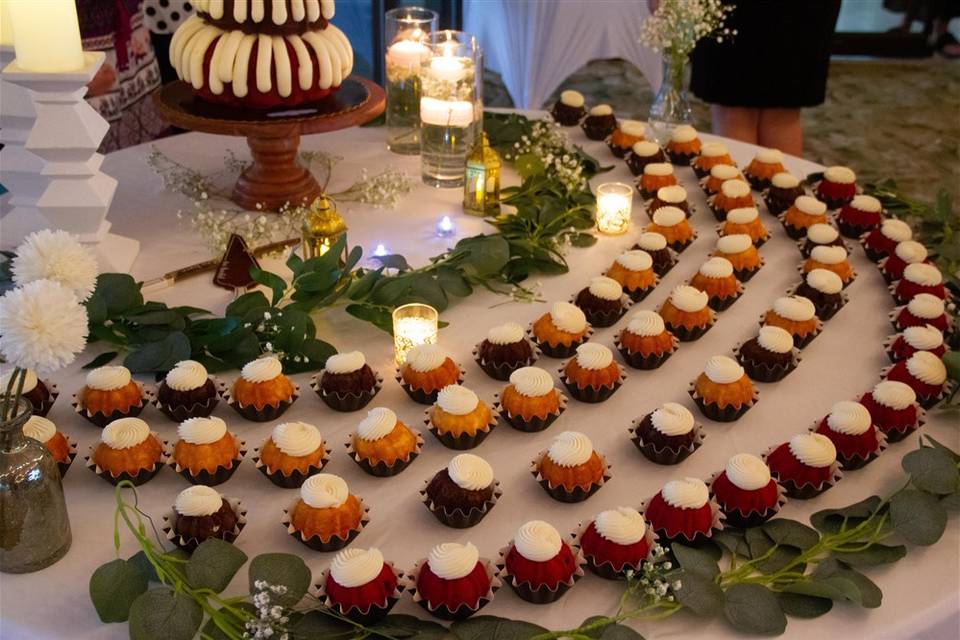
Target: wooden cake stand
275, 177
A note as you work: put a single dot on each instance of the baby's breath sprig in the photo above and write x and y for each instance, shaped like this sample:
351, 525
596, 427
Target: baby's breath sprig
677, 25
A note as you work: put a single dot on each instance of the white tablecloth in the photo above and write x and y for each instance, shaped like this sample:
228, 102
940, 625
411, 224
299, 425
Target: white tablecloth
536, 44
920, 592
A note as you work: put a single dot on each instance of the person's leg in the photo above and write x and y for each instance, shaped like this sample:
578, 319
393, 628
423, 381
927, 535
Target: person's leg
739, 123
781, 129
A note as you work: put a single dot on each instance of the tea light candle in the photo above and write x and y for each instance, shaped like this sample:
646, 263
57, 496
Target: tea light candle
448, 68
46, 35
446, 228
413, 324
446, 113
614, 206
407, 53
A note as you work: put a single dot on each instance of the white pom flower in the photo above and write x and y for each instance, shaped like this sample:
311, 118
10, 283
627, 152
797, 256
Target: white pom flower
57, 256
42, 326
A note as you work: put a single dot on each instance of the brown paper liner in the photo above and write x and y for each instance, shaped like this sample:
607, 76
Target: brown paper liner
853, 231
465, 440
722, 304
802, 243
44, 407
714, 411
190, 544
374, 613
764, 372
534, 424
774, 207
458, 518
560, 350
419, 395
381, 469
825, 313
757, 184
541, 594
806, 490
591, 394
605, 318
64, 466
679, 246
502, 370
699, 537
346, 402
794, 233
335, 543
137, 479
559, 492
856, 461
296, 479
666, 455
680, 159
219, 476
618, 152
685, 334
753, 518
197, 410
606, 569
645, 362
264, 414
663, 269
799, 341
102, 420
744, 275
464, 611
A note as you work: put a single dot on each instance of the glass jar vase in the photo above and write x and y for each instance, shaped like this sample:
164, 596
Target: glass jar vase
671, 105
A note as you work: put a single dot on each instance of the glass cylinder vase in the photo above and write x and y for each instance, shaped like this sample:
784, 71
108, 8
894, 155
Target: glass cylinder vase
413, 324
407, 36
34, 527
671, 105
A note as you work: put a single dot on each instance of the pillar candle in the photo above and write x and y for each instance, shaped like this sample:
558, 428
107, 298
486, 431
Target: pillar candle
47, 35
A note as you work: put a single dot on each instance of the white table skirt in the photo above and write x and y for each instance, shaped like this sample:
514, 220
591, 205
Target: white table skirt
536, 44
921, 591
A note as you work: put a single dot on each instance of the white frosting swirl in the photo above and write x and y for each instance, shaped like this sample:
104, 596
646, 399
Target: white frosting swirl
672, 419
716, 267
810, 205
652, 241
108, 378
198, 500
724, 172
668, 216
296, 439
356, 567
723, 370
734, 243
893, 394
926, 306
687, 493
568, 317
633, 128
735, 188
457, 400
658, 169
470, 472
673, 194
923, 274
345, 362
202, 430
506, 333
925, 338
748, 472
572, 98
796, 308
775, 339
896, 230
849, 417
822, 233
426, 357
683, 133
262, 369
379, 422
840, 175
867, 204
601, 110
635, 260
743, 215
537, 541
30, 380
593, 356
450, 560
39, 428
532, 382
825, 281
645, 148
829, 254
125, 433
713, 150
813, 449
769, 156
910, 251
605, 288
784, 180
570, 448
689, 299
622, 525
646, 323
186, 375
324, 491
927, 368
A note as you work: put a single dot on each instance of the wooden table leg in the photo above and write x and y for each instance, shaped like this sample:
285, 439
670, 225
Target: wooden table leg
276, 177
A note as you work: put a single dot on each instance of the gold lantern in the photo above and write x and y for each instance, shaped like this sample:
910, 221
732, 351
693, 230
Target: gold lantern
481, 185
322, 228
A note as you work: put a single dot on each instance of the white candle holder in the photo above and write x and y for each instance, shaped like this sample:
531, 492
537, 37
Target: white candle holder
413, 324
614, 207
65, 135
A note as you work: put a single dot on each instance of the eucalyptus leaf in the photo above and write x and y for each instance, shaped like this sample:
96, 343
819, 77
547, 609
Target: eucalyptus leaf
781, 557
936, 443
870, 595
96, 309
118, 291
757, 541
791, 532
114, 587
932, 470
700, 594
917, 516
101, 359
211, 631
834, 587
213, 564
752, 608
611, 630
875, 554
159, 356
420, 629
494, 628
733, 541
281, 569
377, 315
694, 560
830, 520
802, 606
317, 624
246, 303
271, 280
161, 613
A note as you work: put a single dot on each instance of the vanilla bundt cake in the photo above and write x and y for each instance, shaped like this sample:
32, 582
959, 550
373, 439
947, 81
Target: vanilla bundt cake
261, 54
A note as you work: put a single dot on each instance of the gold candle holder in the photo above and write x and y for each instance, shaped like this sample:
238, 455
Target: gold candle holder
413, 324
614, 206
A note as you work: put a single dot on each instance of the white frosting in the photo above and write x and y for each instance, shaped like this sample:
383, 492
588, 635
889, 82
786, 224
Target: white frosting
840, 175
825, 281
622, 525
324, 491
723, 370
262, 369
356, 567
796, 308
769, 156
896, 230
255, 10
687, 493
379, 422
668, 216
345, 362
813, 449
865, 203
570, 448
635, 260
645, 148
605, 288
571, 98
822, 233
652, 241
601, 110
735, 188
108, 378
742, 215
451, 560
927, 368
829, 254
537, 541
568, 317
926, 306
506, 333
748, 472
810, 205
125, 433
716, 267
426, 357
593, 356
457, 400
186, 375
683, 133
296, 439
724, 172
202, 430
734, 243
893, 394
849, 417
672, 419
633, 128
470, 472
673, 194
910, 251
532, 382
775, 339
646, 323
784, 180
689, 299
39, 428
925, 338
30, 380
198, 500
658, 169
923, 274
713, 150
